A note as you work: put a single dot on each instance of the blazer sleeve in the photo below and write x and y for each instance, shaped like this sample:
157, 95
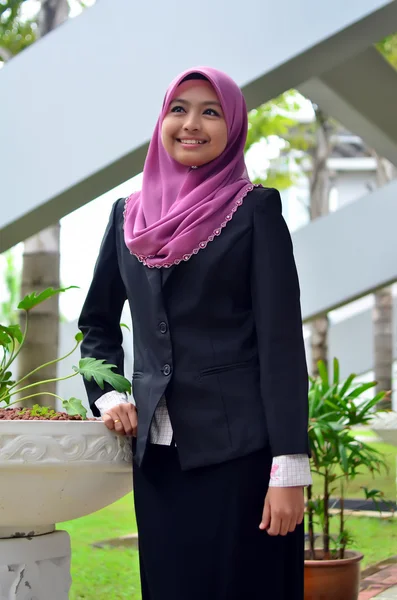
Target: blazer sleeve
278, 321
100, 316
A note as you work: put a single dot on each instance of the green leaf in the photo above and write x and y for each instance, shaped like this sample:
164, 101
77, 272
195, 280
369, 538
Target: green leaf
15, 332
7, 334
79, 336
6, 377
347, 384
361, 389
323, 372
371, 493
33, 299
74, 406
336, 371
102, 373
344, 459
365, 409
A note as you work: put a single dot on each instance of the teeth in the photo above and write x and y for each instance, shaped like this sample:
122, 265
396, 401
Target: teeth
192, 142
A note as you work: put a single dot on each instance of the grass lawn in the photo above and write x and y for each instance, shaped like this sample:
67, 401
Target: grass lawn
375, 538
386, 482
113, 573
364, 433
104, 573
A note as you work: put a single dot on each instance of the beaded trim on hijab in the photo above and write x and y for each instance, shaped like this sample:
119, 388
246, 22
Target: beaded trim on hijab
239, 201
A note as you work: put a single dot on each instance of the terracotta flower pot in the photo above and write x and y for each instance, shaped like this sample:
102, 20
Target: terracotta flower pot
337, 579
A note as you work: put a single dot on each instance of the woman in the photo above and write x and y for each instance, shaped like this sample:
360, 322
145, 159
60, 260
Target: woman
205, 260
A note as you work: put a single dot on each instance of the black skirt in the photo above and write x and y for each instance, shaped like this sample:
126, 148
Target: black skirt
199, 536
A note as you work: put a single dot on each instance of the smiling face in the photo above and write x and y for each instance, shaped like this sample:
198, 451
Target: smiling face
194, 130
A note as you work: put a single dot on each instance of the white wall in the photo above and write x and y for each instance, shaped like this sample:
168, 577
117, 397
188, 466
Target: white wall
351, 186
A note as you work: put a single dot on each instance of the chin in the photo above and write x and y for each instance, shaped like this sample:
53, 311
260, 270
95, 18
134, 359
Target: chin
188, 162
192, 161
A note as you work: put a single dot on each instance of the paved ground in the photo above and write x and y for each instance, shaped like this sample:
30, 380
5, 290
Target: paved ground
380, 581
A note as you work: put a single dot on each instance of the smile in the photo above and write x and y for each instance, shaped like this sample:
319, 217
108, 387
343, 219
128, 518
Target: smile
191, 142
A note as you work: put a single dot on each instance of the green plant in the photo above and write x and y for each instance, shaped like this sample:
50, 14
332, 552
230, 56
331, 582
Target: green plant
334, 408
11, 342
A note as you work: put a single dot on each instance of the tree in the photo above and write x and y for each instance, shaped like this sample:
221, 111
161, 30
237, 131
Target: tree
319, 206
269, 122
309, 146
15, 34
382, 313
41, 258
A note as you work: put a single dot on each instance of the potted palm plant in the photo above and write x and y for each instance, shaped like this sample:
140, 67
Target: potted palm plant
333, 572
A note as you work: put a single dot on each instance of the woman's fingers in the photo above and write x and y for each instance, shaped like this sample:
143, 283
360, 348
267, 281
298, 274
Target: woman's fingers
292, 525
108, 420
284, 506
285, 525
275, 524
133, 419
265, 523
122, 419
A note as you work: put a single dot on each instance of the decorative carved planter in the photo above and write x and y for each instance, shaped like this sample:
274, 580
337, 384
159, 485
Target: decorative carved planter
53, 471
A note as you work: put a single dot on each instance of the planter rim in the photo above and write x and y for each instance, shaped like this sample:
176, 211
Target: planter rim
351, 556
11, 426
97, 420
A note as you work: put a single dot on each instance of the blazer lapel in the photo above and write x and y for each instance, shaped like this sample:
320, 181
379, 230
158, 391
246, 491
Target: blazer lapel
166, 274
154, 278
158, 278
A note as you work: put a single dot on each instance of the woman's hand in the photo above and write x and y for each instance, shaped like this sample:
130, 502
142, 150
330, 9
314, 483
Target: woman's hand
122, 418
283, 511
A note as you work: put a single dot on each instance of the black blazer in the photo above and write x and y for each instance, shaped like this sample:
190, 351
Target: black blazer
220, 335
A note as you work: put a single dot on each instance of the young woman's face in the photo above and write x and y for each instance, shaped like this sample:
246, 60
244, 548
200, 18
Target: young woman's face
194, 129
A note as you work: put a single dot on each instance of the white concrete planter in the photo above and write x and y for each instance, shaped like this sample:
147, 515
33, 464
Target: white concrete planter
53, 471
385, 426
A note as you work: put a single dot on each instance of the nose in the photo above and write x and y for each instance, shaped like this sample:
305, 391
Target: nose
191, 122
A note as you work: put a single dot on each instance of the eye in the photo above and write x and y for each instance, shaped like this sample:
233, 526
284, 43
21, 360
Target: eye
211, 112
177, 109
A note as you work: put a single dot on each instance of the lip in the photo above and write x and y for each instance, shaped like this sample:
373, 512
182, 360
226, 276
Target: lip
191, 146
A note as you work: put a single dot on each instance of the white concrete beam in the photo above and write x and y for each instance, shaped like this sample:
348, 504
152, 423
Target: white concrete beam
361, 93
349, 253
81, 103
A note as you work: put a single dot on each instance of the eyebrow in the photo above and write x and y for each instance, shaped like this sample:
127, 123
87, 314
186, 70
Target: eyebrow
210, 102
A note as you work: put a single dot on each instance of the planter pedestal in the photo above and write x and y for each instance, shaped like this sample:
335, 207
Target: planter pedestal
36, 568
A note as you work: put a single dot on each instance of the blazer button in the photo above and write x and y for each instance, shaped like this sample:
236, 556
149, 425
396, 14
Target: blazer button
166, 370
163, 327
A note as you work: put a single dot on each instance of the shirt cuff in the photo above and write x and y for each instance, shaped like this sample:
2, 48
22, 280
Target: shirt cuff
290, 470
109, 400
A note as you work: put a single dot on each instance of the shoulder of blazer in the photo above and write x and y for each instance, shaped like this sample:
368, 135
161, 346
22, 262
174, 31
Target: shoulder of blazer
267, 200
118, 210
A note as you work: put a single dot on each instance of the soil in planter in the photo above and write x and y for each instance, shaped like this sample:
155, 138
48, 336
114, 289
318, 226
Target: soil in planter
25, 414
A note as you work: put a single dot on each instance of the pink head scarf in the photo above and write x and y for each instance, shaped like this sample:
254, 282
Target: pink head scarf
180, 209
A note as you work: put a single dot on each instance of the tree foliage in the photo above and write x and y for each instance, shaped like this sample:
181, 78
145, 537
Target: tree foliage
388, 47
271, 124
12, 283
16, 33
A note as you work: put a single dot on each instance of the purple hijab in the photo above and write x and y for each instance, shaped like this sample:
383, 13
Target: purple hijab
180, 209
